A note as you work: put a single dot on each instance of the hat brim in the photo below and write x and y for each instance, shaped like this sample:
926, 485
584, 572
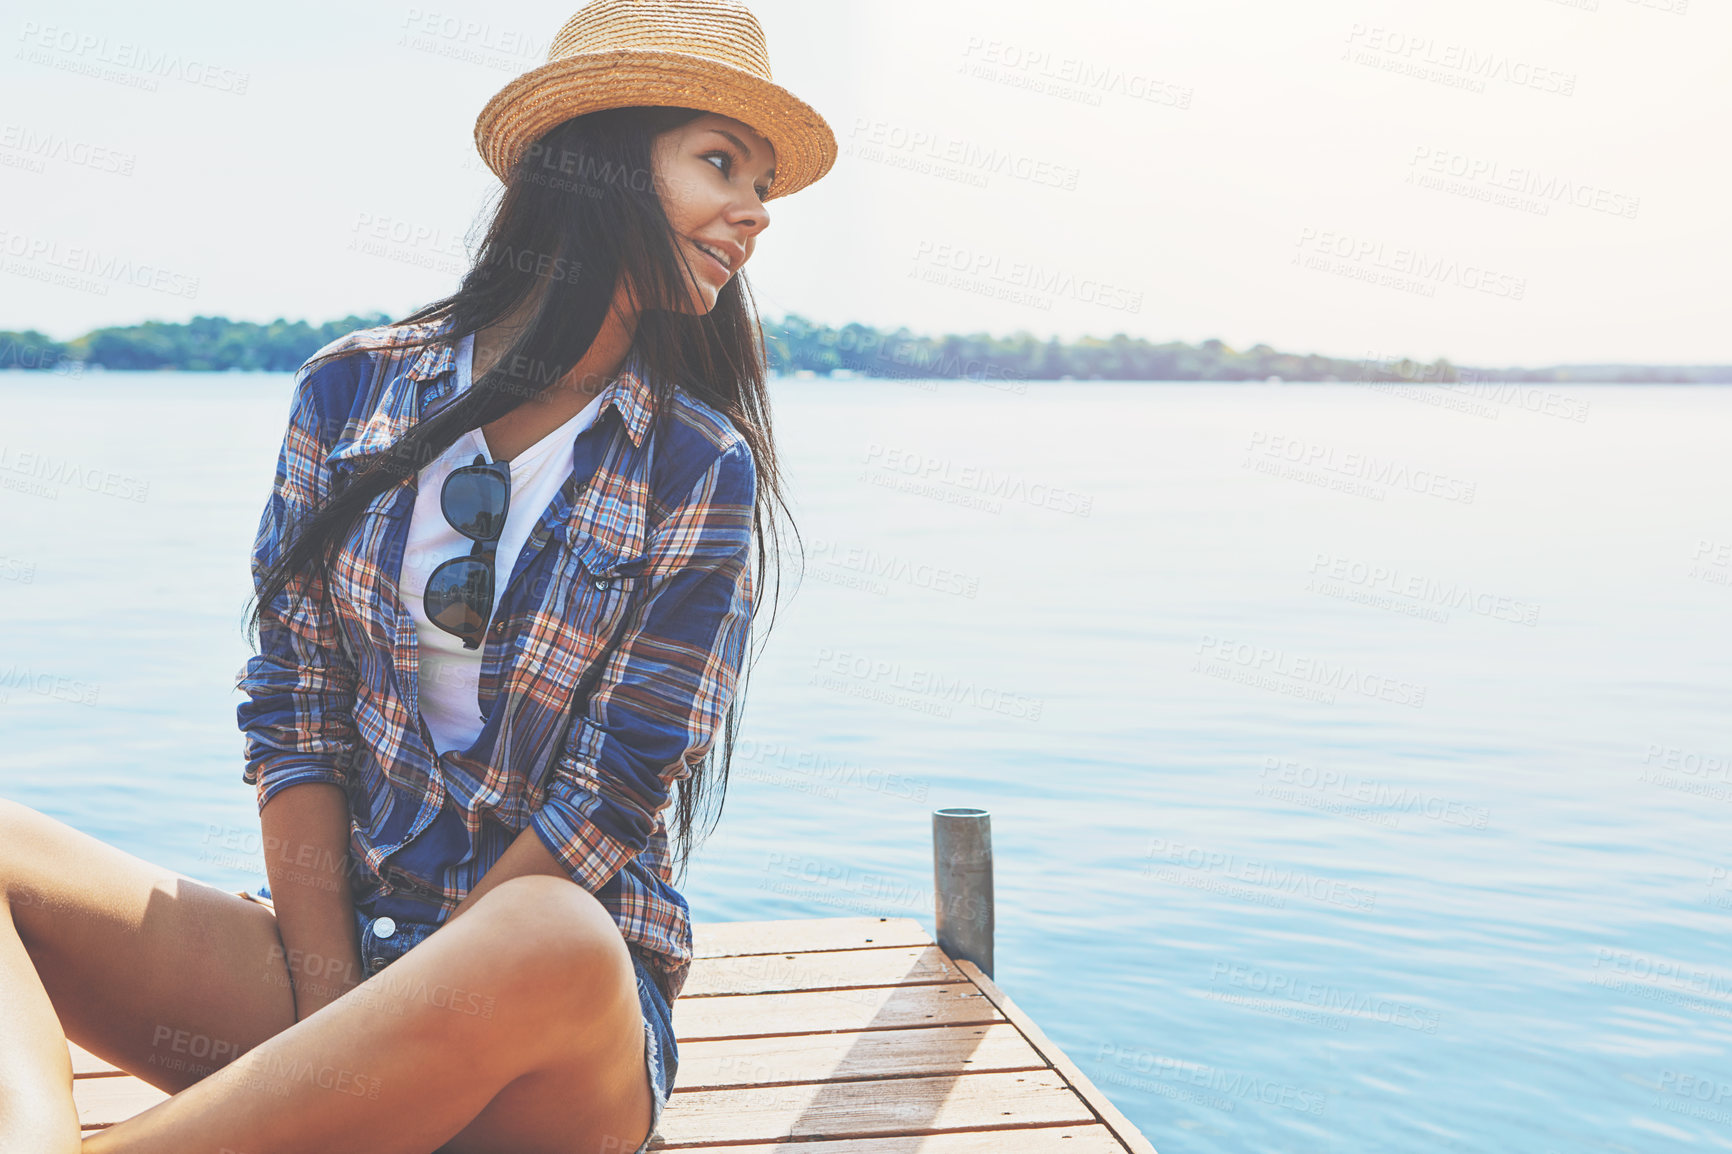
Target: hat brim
546, 96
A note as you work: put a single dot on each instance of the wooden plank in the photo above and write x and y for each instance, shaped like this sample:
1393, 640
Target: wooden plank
819, 970
872, 1108
849, 1035
795, 935
1097, 1101
853, 1055
826, 1011
105, 1101
1093, 1139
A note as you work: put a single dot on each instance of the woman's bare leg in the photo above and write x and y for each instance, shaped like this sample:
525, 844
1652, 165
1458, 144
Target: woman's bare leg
515, 1027
162, 975
36, 1107
515, 996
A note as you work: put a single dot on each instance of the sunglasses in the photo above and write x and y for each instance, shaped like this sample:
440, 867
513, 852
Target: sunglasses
459, 594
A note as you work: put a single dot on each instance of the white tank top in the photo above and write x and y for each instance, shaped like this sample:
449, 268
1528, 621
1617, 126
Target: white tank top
449, 676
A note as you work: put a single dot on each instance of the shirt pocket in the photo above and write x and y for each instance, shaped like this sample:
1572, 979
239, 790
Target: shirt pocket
605, 555
595, 590
567, 646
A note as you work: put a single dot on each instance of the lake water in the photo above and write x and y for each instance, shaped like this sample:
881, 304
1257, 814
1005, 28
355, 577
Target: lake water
1359, 766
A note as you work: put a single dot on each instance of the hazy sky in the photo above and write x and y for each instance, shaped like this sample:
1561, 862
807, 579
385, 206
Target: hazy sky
1497, 181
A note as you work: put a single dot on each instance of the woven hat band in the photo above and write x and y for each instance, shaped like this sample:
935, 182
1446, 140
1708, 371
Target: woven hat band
714, 29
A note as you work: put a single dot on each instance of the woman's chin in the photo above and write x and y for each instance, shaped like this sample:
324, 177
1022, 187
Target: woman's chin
703, 301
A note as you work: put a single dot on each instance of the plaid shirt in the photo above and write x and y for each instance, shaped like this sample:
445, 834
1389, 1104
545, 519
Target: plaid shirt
651, 533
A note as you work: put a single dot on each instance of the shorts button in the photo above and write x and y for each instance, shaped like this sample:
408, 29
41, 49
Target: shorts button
375, 965
384, 927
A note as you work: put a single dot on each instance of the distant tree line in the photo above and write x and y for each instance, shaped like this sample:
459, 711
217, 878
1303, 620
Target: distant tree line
203, 343
795, 344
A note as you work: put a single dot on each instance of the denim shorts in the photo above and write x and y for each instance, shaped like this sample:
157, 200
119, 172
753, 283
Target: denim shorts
380, 948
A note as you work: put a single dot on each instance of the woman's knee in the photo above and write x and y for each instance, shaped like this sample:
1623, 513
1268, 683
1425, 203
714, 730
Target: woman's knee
22, 846
551, 933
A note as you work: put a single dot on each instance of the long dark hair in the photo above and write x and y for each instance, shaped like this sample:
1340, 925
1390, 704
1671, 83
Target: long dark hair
579, 209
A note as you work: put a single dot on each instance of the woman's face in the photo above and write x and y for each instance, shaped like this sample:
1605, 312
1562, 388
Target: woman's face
712, 173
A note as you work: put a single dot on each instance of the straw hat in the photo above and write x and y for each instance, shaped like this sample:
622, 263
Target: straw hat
707, 54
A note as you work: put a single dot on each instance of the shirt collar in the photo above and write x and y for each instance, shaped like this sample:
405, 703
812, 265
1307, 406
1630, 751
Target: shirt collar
629, 393
436, 359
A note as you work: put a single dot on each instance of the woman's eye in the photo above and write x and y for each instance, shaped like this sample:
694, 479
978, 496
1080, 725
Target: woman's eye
727, 168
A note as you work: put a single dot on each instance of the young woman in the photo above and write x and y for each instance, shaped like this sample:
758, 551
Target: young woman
505, 582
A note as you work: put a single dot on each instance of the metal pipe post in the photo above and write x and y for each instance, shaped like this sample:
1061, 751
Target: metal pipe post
962, 884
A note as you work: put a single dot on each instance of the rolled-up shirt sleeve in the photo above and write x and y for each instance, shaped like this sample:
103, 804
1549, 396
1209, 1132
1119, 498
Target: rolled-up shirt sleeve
298, 717
659, 699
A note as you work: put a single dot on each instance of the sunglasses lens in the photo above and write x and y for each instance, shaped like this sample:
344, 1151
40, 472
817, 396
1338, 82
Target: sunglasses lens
459, 595
474, 500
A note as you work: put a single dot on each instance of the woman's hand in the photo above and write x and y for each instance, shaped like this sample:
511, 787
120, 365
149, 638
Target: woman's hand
314, 991
525, 855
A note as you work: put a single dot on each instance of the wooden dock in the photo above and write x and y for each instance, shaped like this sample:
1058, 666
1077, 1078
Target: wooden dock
845, 1035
